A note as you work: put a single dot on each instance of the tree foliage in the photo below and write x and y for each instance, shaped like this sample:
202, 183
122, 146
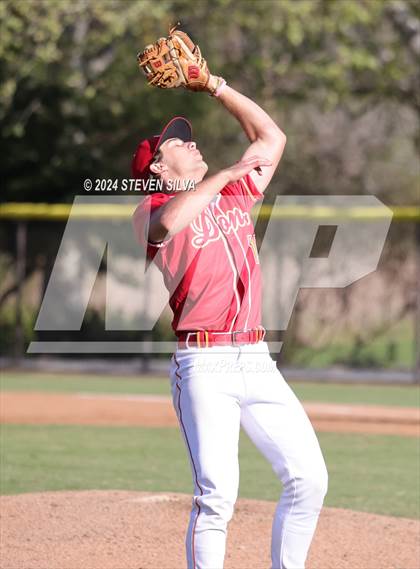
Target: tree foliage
73, 103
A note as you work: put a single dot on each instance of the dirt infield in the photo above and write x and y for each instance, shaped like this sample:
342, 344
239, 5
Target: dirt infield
137, 530
157, 411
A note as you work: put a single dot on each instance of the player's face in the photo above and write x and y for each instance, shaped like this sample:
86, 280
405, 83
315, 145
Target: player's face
183, 159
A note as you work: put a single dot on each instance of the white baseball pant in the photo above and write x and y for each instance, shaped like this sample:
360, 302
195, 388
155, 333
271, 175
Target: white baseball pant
215, 390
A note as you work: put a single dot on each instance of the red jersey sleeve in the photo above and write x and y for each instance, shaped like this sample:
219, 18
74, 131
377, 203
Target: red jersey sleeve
245, 191
141, 221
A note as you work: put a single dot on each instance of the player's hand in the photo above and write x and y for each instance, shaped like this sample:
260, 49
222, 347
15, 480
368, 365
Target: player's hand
244, 167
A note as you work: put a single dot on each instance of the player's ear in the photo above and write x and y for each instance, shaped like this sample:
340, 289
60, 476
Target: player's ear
158, 167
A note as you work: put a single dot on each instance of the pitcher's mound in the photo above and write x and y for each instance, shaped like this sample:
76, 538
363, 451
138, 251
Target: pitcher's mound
139, 530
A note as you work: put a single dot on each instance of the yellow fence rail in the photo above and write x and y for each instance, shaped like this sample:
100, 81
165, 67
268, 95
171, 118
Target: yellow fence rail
61, 212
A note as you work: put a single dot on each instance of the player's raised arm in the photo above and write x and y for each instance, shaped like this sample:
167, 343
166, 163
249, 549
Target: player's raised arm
267, 139
190, 71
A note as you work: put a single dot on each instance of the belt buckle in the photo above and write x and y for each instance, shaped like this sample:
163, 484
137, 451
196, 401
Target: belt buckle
188, 338
233, 337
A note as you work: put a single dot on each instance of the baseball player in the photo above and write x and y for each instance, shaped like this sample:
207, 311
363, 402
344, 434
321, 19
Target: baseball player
222, 375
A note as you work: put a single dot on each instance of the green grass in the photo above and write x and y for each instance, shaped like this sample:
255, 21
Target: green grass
58, 383
394, 349
399, 395
372, 473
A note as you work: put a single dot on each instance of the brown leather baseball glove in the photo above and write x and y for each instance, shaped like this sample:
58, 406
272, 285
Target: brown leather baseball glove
176, 61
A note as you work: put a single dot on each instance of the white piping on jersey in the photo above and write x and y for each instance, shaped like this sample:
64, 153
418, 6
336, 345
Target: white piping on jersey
247, 266
249, 280
231, 262
251, 195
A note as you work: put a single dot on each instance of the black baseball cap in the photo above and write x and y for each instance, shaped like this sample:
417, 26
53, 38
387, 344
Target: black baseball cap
178, 127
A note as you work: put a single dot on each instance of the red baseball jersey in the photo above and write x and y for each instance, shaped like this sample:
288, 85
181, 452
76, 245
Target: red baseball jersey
210, 268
